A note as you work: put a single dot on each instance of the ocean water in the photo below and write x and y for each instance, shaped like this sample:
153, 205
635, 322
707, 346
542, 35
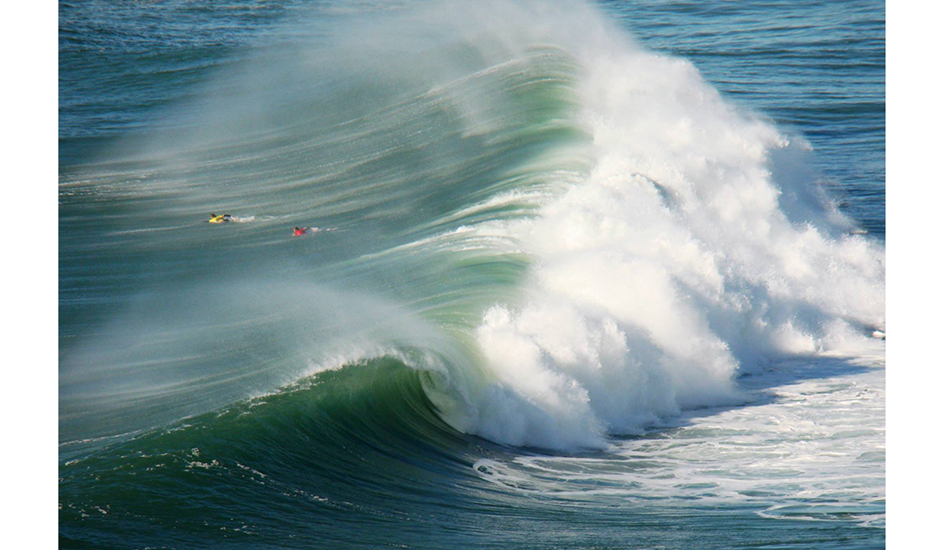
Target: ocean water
576, 275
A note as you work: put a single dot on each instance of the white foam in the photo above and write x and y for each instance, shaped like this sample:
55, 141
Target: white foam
680, 260
810, 448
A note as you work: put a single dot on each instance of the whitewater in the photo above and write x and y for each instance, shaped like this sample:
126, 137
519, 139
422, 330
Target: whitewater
549, 266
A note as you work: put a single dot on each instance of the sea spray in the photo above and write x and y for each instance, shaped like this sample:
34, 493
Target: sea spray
177, 352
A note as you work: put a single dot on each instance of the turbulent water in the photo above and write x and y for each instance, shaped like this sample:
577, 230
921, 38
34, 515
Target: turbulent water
575, 275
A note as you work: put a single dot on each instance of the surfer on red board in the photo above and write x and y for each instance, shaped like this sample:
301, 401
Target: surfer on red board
299, 231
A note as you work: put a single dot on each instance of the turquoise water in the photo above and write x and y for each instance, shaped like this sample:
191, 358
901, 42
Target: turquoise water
575, 276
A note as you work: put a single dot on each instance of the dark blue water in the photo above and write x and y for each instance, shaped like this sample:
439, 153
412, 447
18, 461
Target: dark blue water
466, 350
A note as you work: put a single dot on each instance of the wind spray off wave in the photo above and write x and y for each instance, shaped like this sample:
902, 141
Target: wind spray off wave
579, 235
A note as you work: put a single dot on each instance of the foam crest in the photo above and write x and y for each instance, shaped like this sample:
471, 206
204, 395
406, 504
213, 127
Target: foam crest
680, 261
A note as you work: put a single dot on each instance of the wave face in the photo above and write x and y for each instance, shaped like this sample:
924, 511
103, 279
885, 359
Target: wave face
522, 226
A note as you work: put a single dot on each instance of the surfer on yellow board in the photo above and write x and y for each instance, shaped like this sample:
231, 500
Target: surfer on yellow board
220, 219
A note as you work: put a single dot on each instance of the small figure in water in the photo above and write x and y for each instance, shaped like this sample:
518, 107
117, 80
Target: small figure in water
299, 231
220, 219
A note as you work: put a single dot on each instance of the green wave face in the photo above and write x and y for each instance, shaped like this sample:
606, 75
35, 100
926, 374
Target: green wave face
320, 461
